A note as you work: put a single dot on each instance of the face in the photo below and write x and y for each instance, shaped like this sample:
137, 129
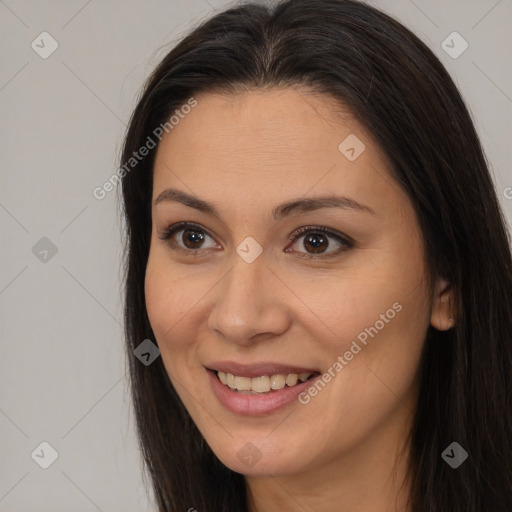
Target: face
282, 250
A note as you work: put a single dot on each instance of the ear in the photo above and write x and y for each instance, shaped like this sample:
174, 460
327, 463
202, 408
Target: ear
442, 316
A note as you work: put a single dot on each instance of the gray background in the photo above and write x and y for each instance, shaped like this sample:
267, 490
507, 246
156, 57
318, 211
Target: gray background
62, 370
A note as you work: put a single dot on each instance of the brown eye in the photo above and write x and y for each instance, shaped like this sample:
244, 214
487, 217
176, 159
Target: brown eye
316, 240
192, 238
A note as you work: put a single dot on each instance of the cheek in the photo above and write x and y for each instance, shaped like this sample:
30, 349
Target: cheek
375, 316
371, 363
167, 300
355, 303
160, 301
176, 302
380, 345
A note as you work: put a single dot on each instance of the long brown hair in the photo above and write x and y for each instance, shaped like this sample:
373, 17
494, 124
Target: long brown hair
400, 91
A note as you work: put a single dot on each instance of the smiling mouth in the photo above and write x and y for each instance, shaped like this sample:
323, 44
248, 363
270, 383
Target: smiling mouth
264, 383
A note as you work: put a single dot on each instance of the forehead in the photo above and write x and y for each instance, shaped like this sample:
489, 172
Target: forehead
274, 122
263, 144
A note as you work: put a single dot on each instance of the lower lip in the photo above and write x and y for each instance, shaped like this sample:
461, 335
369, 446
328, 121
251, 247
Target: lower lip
256, 405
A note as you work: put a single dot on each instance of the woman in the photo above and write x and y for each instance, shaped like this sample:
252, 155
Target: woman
317, 249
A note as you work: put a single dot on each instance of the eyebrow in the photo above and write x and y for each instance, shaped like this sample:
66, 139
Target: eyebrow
281, 211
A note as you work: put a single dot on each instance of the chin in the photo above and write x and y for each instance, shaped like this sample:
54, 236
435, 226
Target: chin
261, 458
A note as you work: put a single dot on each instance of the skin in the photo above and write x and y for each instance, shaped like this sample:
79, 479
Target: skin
246, 153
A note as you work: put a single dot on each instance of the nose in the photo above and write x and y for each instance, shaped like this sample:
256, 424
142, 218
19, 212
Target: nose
250, 304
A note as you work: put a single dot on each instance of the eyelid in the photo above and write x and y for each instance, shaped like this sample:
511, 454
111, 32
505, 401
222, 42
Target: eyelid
170, 230
320, 229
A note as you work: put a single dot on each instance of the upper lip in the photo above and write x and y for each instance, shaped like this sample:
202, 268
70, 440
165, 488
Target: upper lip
257, 369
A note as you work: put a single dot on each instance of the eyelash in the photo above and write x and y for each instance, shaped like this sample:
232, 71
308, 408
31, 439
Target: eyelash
298, 233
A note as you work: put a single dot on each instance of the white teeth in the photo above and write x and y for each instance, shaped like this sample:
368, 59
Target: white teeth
230, 380
262, 384
292, 379
243, 383
277, 381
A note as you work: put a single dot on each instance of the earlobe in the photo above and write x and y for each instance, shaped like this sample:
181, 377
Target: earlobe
443, 306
